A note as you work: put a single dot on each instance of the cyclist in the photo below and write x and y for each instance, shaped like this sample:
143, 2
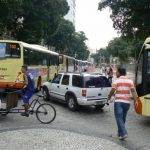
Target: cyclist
28, 89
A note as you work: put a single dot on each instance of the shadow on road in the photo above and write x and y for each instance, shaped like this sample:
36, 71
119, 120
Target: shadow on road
82, 109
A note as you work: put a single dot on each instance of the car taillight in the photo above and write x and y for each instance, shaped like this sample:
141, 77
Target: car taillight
84, 92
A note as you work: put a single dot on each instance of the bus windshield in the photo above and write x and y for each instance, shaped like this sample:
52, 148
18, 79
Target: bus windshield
9, 50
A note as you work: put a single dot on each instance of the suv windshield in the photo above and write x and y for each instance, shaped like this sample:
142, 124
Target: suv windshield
96, 82
11, 50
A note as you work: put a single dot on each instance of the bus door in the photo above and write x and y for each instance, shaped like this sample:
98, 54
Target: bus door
143, 74
143, 80
146, 76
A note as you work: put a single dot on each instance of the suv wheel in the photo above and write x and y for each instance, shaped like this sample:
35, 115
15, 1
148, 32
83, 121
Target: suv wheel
72, 103
45, 93
99, 106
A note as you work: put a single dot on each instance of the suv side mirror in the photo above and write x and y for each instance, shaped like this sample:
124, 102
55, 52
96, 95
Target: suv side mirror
50, 80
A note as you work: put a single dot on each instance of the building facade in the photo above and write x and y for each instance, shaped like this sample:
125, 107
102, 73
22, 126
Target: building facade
71, 14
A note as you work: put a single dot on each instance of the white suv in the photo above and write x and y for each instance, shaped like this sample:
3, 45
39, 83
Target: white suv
78, 89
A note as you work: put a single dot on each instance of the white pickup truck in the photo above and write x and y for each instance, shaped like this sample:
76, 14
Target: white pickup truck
78, 89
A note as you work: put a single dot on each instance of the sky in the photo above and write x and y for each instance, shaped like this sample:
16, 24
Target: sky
96, 24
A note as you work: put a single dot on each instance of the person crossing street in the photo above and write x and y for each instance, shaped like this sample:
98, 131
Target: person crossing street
122, 87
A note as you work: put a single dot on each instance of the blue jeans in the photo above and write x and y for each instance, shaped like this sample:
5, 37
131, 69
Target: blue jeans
120, 110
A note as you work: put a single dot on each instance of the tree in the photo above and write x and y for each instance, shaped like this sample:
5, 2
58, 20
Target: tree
78, 46
35, 21
121, 48
101, 54
118, 48
96, 58
135, 48
41, 19
10, 14
69, 42
31, 20
130, 17
61, 39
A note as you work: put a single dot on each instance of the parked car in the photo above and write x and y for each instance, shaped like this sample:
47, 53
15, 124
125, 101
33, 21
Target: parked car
78, 89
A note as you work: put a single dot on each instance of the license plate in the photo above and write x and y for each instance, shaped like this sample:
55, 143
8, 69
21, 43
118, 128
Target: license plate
98, 103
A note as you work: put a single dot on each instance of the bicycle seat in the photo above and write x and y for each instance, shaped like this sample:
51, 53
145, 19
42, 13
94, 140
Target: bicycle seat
40, 95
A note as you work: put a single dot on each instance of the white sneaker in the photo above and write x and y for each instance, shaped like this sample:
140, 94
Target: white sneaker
123, 137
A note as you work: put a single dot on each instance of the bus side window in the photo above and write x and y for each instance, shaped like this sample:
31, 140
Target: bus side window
26, 57
60, 59
48, 61
44, 59
53, 60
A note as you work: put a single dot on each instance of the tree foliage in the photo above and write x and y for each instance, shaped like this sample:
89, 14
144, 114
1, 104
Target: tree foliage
78, 45
31, 20
61, 39
69, 42
120, 48
10, 13
101, 56
35, 21
130, 17
41, 19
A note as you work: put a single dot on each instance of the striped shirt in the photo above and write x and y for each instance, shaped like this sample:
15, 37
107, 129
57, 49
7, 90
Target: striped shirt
123, 87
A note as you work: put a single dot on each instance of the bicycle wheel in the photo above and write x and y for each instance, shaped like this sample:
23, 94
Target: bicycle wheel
45, 113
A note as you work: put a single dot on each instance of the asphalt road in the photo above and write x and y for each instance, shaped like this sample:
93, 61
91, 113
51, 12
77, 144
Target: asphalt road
87, 121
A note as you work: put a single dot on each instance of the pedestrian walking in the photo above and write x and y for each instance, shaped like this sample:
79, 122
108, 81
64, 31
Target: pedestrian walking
122, 87
110, 74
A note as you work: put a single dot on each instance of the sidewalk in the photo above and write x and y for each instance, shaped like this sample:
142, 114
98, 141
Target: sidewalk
51, 139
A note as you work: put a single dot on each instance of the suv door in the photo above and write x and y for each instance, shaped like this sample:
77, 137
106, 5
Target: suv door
54, 88
64, 86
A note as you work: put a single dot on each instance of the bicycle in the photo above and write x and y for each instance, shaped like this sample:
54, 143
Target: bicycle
42, 110
45, 113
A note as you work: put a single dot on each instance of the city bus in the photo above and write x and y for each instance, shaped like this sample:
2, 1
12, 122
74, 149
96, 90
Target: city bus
66, 63
41, 62
87, 66
142, 79
78, 64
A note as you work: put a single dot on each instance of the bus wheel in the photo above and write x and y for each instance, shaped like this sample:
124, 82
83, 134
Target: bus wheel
46, 93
